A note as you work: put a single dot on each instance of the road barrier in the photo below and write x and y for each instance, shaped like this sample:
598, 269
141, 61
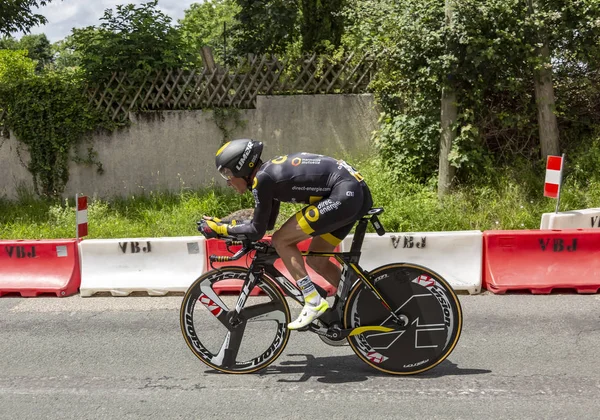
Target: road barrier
218, 247
542, 260
31, 267
156, 266
575, 219
456, 256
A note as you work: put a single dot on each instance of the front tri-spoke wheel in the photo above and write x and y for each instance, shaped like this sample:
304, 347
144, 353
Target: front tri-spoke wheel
229, 343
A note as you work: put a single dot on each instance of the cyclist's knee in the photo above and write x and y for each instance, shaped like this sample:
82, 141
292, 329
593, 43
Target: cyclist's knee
276, 239
279, 240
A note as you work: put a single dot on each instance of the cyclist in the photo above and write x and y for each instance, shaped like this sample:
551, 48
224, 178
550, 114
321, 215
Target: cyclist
336, 194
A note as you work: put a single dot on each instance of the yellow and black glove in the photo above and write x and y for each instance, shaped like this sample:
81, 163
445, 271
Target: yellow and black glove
212, 228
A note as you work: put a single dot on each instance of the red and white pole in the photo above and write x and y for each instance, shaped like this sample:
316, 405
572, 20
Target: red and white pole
81, 216
553, 181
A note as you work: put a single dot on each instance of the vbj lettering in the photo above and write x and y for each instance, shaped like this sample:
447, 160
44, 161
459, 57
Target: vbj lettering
595, 221
558, 245
9, 250
409, 242
20, 252
135, 247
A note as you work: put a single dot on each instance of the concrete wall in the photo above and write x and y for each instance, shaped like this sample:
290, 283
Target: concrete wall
175, 149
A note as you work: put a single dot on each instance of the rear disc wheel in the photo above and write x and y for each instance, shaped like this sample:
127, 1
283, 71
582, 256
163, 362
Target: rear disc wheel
430, 319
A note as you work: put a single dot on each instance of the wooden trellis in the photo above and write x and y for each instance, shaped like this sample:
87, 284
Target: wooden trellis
234, 86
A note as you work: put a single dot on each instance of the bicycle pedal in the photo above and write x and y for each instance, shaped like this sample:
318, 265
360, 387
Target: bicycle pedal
304, 328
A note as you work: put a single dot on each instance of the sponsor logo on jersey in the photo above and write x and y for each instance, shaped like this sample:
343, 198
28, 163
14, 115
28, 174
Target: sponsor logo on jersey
279, 159
309, 188
328, 205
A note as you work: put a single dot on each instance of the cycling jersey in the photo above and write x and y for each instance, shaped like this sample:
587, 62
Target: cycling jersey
336, 193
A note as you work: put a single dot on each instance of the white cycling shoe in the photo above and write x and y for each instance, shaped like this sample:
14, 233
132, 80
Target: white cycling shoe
309, 314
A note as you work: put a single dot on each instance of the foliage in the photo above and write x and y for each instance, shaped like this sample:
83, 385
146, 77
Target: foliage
265, 26
16, 15
14, 67
65, 57
488, 55
322, 24
38, 48
406, 143
134, 39
49, 114
513, 200
208, 24
288, 27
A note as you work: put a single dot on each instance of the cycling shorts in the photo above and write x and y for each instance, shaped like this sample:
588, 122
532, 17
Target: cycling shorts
333, 217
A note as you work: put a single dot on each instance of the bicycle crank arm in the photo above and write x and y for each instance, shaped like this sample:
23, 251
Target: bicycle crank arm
340, 334
360, 330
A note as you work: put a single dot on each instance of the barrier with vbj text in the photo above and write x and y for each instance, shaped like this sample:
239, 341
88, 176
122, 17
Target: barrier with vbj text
156, 266
574, 219
456, 256
542, 260
35, 267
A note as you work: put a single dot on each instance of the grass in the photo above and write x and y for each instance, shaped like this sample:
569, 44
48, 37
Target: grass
511, 201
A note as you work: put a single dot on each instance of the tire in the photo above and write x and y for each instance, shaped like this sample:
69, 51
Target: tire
260, 337
432, 309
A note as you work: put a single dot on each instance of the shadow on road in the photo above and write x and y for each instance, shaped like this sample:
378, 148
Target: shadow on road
346, 369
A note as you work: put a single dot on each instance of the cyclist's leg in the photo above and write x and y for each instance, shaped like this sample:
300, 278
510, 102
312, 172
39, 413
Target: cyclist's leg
285, 240
324, 266
339, 211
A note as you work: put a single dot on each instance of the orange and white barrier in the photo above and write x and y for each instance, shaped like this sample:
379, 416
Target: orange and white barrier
542, 260
575, 219
456, 256
156, 266
32, 268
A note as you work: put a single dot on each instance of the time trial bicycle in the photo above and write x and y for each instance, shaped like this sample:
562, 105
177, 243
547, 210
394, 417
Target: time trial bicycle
399, 318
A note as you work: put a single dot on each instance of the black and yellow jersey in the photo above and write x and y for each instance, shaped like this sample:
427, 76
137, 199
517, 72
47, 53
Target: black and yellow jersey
298, 178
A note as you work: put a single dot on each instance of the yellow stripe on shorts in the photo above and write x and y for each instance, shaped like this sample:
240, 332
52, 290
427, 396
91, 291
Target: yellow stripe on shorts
331, 239
303, 223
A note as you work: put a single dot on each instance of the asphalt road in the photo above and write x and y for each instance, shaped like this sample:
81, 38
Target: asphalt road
520, 357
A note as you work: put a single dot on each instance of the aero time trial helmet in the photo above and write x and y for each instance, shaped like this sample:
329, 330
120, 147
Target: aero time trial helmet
238, 158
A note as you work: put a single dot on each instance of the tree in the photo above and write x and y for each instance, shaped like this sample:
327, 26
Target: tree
497, 52
64, 54
135, 39
38, 48
448, 116
16, 15
207, 24
265, 26
15, 66
322, 24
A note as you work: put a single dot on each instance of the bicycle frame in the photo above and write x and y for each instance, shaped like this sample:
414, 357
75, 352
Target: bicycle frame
266, 257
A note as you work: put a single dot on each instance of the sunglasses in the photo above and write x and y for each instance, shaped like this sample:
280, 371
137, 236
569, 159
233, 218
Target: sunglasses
226, 173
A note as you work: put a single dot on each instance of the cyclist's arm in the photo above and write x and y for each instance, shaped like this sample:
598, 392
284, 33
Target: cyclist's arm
274, 214
265, 212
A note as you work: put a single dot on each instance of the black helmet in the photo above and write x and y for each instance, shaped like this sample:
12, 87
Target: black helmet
238, 158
